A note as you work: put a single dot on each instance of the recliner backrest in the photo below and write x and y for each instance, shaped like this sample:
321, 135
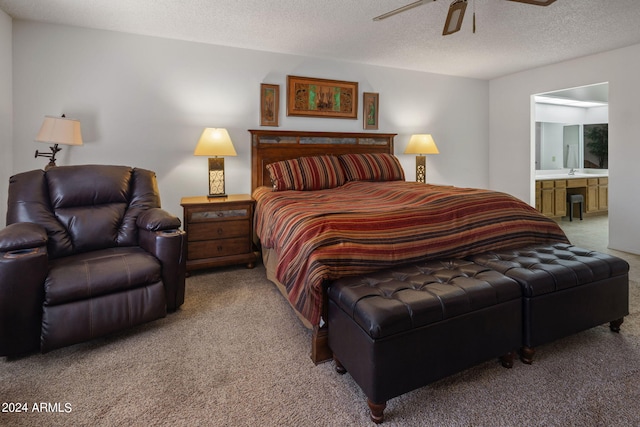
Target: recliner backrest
83, 208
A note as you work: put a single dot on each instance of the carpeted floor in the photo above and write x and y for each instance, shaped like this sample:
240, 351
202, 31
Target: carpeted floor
236, 355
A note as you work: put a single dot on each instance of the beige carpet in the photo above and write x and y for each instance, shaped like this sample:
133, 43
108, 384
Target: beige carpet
236, 355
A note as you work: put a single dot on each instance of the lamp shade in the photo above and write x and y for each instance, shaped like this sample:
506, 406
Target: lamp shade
215, 142
60, 130
421, 144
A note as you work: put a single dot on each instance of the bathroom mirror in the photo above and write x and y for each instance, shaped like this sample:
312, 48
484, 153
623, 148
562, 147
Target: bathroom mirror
571, 130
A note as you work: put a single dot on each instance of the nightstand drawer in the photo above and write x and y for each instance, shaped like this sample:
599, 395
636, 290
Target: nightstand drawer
218, 248
218, 230
203, 215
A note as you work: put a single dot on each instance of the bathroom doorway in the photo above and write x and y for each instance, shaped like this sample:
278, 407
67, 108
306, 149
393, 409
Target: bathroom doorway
571, 143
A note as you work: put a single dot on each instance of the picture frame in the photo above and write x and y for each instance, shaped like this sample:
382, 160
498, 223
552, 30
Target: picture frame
314, 97
370, 103
269, 104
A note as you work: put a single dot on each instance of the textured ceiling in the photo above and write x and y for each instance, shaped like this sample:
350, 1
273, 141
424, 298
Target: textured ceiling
510, 36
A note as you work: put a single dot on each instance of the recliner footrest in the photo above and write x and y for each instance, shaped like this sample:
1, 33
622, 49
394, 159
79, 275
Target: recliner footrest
83, 320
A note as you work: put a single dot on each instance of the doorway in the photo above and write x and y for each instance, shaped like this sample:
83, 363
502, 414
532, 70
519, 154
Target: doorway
563, 122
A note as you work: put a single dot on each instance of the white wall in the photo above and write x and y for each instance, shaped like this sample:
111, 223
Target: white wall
143, 101
511, 151
596, 115
6, 101
574, 115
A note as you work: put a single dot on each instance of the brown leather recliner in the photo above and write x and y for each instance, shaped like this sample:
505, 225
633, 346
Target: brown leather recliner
87, 251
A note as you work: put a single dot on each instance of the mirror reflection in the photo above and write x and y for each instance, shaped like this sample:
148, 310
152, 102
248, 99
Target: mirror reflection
572, 128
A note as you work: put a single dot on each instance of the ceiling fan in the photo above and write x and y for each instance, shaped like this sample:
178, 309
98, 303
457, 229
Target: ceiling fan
456, 13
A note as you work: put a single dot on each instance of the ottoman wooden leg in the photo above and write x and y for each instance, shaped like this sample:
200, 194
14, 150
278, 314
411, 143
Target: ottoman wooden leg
339, 368
507, 359
526, 355
614, 325
377, 411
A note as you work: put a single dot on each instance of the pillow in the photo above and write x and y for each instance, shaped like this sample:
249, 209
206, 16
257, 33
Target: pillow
372, 167
321, 172
285, 175
306, 173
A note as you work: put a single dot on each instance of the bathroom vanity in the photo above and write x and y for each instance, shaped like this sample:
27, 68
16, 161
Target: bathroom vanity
552, 188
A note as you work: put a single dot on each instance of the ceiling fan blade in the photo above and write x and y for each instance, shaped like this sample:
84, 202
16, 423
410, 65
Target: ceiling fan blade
536, 2
402, 9
454, 17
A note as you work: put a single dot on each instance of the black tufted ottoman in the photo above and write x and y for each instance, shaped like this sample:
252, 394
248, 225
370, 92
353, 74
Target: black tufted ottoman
402, 328
565, 290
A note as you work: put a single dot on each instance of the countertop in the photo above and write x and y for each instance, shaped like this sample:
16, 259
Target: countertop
544, 175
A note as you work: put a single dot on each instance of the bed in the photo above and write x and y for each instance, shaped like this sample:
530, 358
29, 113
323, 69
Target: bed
342, 208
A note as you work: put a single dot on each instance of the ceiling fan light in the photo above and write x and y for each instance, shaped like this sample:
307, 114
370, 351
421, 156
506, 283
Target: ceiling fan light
454, 17
536, 2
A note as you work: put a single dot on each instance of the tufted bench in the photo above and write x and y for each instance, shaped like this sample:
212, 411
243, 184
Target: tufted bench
565, 289
399, 329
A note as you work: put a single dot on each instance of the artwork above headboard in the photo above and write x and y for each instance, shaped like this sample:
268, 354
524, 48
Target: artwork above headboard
269, 146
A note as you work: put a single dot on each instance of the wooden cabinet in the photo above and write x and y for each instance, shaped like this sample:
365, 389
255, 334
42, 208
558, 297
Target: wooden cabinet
603, 194
551, 195
597, 195
547, 198
592, 195
560, 198
219, 231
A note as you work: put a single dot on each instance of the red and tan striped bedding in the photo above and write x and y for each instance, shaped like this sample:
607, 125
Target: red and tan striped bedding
364, 226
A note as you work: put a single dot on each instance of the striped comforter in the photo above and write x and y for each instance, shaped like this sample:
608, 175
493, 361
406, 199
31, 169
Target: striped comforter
365, 226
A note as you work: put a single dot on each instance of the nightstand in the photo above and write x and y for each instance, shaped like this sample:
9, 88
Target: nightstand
219, 231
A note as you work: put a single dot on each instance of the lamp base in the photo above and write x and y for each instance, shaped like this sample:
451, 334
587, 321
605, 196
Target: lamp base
51, 156
213, 196
50, 165
421, 168
216, 177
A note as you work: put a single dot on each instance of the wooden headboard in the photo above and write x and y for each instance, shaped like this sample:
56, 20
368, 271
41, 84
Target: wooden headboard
269, 146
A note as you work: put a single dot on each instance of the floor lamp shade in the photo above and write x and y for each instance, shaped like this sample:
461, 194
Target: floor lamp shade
215, 142
421, 144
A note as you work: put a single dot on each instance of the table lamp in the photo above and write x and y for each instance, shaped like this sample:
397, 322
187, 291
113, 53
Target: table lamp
215, 142
421, 145
58, 130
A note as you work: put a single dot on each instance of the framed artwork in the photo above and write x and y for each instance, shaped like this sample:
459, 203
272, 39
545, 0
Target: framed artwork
370, 110
311, 97
269, 104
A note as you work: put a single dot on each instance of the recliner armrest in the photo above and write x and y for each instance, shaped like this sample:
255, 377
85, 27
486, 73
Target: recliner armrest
156, 219
21, 236
170, 247
24, 264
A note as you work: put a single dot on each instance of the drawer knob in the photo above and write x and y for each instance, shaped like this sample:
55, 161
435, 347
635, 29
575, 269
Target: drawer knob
219, 248
220, 231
